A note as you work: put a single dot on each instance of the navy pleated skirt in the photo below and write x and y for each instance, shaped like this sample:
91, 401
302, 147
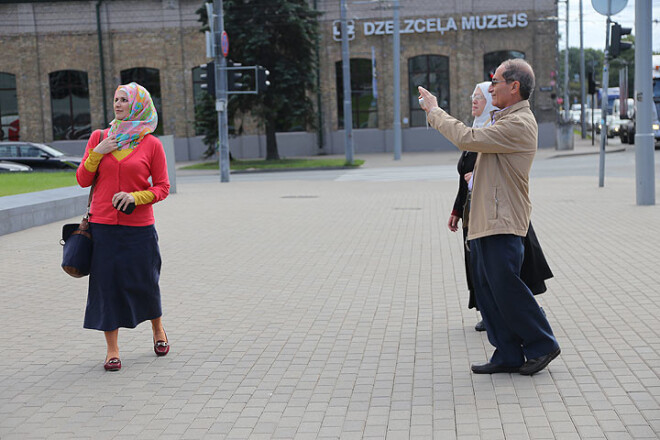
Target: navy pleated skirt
123, 282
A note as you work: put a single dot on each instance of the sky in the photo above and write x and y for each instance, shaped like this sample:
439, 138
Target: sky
594, 23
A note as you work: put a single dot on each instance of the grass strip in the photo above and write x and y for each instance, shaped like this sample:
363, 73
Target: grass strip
21, 183
260, 164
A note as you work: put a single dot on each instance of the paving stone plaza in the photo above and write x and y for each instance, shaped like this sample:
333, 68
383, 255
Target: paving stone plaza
337, 308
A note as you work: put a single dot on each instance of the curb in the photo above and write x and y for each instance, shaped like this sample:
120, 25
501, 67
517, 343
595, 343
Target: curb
615, 150
284, 170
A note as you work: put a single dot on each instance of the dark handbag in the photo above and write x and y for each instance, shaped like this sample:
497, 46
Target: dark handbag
77, 242
77, 245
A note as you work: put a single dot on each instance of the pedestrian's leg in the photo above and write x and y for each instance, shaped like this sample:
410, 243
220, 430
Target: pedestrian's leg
508, 351
158, 330
111, 340
161, 343
520, 312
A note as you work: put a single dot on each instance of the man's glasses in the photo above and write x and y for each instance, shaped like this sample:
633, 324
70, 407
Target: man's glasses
497, 81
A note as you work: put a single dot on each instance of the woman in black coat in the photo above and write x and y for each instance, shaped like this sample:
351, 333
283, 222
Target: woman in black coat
535, 269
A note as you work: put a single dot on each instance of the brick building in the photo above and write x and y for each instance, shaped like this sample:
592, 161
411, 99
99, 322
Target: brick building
62, 61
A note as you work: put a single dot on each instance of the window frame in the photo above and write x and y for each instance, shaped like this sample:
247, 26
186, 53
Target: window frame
144, 76
413, 103
14, 125
500, 56
81, 83
369, 116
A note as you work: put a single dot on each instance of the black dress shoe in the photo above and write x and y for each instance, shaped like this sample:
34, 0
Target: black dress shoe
480, 327
489, 368
535, 365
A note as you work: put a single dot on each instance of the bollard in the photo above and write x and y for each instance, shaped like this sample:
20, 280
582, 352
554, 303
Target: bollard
168, 146
565, 136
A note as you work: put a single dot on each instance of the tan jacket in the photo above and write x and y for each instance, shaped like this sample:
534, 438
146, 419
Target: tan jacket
500, 195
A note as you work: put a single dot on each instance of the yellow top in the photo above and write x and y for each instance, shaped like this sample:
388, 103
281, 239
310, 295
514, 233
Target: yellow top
92, 164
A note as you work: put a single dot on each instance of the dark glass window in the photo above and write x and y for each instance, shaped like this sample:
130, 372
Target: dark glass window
8, 151
69, 103
30, 151
198, 91
149, 79
432, 73
9, 126
492, 61
363, 101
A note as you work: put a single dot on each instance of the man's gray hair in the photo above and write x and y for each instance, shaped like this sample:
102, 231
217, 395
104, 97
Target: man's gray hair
517, 69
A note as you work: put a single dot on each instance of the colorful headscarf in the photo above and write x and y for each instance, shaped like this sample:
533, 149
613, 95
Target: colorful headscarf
483, 119
142, 120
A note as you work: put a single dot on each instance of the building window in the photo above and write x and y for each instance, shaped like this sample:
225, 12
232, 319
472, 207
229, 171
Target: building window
198, 91
69, 103
363, 99
492, 61
432, 73
149, 79
9, 127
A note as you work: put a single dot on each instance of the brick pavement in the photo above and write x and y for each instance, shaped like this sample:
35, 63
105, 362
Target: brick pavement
320, 309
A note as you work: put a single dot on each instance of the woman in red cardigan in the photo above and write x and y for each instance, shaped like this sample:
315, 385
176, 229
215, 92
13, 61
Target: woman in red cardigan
123, 283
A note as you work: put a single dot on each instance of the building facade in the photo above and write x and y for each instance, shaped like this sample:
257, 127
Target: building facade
62, 61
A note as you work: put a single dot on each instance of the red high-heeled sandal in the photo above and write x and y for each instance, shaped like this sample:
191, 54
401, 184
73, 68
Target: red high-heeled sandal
112, 364
161, 348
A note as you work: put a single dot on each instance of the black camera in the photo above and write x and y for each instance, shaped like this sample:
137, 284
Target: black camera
128, 208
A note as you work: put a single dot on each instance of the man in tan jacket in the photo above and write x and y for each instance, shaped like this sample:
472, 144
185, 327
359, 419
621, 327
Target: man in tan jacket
499, 217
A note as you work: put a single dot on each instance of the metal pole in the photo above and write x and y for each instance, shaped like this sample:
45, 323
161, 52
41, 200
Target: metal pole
644, 142
104, 96
603, 106
318, 91
583, 93
593, 130
346, 75
396, 57
593, 104
221, 93
567, 103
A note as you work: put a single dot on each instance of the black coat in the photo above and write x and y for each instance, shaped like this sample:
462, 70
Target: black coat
534, 270
465, 165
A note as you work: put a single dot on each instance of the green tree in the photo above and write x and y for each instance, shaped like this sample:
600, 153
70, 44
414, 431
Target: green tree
280, 35
593, 61
206, 122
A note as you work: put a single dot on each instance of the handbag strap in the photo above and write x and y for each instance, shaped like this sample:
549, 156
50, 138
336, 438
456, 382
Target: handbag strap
91, 190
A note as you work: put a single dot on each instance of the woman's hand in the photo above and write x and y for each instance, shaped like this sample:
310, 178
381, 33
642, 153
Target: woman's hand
107, 145
453, 223
121, 200
430, 101
467, 176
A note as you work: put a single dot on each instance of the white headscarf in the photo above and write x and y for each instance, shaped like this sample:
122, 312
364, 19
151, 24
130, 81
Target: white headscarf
483, 120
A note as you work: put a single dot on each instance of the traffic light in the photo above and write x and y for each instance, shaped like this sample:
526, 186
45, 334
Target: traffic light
234, 76
208, 74
616, 45
592, 84
262, 79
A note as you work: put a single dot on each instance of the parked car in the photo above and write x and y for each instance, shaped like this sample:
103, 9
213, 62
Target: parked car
11, 167
627, 131
37, 155
576, 113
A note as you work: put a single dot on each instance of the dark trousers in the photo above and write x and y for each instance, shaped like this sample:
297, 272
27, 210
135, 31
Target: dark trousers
515, 325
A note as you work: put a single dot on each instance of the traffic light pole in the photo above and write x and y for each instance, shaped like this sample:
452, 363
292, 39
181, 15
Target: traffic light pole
583, 95
396, 67
603, 107
644, 141
346, 76
221, 92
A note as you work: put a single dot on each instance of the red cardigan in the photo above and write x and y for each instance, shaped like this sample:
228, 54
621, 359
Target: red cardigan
129, 175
